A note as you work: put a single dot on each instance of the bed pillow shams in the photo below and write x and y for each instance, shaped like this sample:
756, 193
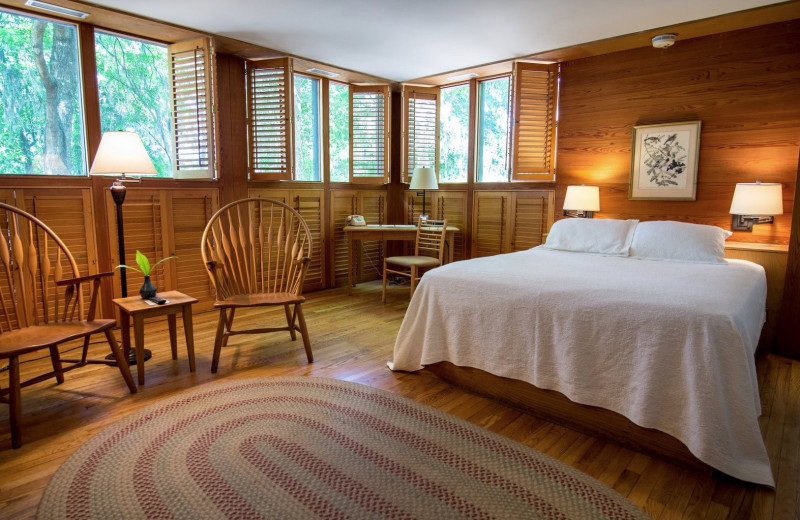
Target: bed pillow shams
679, 241
599, 236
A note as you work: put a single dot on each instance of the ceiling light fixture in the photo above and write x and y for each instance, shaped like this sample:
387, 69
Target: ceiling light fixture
64, 11
662, 41
466, 75
323, 72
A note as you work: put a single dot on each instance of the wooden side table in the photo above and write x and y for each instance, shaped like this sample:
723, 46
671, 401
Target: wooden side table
139, 309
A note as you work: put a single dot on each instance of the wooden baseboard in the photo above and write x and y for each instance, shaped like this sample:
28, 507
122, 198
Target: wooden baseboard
555, 407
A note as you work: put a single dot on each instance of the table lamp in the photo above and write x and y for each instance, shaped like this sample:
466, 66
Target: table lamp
755, 203
121, 154
424, 179
582, 201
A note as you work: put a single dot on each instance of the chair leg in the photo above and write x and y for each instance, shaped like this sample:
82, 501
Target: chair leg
304, 332
228, 327
383, 291
15, 402
218, 339
414, 273
290, 322
55, 358
119, 357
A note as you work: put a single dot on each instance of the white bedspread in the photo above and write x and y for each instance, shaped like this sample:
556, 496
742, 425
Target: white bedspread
668, 345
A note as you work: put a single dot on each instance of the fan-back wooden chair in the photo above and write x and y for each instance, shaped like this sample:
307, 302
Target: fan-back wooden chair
256, 252
41, 306
428, 253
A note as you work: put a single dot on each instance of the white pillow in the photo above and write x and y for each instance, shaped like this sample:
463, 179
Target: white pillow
602, 236
679, 241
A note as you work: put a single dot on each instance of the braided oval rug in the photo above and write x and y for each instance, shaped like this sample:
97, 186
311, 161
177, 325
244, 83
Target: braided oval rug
306, 447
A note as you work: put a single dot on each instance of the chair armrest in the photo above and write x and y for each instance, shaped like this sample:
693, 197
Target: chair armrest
81, 279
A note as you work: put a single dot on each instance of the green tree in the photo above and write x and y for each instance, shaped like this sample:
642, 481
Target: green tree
306, 129
339, 131
133, 88
454, 134
40, 114
493, 130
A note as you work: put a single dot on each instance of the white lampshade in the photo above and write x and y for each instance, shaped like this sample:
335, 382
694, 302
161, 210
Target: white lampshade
582, 198
122, 153
757, 198
424, 179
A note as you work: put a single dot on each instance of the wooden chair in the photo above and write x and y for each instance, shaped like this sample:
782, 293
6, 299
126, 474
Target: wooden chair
428, 253
41, 306
256, 252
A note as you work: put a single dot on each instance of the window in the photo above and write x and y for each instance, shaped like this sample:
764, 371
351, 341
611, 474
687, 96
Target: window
133, 86
369, 139
454, 134
493, 129
307, 131
41, 109
339, 131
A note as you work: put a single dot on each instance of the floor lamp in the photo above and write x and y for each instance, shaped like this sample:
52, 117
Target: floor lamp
121, 154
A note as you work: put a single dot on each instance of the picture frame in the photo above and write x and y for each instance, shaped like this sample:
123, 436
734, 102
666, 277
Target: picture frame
664, 161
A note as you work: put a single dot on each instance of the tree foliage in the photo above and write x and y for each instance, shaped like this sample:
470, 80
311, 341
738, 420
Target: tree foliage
306, 129
454, 134
339, 124
493, 134
134, 93
41, 127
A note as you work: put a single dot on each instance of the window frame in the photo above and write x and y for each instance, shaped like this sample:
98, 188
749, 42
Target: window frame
476, 116
321, 114
471, 84
89, 146
326, 92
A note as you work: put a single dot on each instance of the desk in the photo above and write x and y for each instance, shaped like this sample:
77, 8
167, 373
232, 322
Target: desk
136, 307
407, 232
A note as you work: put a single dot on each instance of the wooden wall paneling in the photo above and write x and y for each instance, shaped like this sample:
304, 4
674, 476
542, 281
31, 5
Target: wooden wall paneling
372, 205
788, 329
311, 205
741, 85
452, 205
144, 218
773, 258
231, 122
531, 215
343, 203
490, 223
188, 212
69, 213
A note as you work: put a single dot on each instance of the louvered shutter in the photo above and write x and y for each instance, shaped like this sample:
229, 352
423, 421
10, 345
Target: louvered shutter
531, 213
144, 221
189, 210
535, 100
420, 129
270, 101
369, 134
192, 108
490, 226
452, 205
343, 203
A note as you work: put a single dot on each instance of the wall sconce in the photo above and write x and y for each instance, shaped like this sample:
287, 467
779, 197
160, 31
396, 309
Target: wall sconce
582, 201
755, 203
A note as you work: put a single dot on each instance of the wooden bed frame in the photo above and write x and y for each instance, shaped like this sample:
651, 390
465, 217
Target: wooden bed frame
556, 407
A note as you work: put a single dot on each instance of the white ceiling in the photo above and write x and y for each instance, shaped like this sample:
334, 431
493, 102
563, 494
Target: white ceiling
402, 40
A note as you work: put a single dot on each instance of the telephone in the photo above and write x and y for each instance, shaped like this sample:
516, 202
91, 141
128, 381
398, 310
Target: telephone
356, 220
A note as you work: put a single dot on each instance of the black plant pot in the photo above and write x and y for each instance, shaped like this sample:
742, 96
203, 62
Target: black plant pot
148, 290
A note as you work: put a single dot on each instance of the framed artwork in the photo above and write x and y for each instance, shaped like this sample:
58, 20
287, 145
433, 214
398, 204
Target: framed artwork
664, 163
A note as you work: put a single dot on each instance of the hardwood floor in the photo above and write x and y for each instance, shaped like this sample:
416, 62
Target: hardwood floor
352, 338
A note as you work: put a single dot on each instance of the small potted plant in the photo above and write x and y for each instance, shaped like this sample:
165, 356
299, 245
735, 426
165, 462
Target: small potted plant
148, 290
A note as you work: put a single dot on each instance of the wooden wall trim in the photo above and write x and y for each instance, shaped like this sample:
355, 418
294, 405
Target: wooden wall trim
788, 334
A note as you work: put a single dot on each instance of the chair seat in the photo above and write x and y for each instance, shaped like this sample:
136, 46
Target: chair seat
257, 300
37, 337
408, 261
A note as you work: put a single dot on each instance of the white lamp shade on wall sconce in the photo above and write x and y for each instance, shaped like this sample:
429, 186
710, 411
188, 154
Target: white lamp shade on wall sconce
581, 201
755, 203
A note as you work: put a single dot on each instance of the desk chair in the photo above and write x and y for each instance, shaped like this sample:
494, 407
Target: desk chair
428, 253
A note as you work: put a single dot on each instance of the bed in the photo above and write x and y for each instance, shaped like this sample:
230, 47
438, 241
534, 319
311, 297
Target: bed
668, 343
